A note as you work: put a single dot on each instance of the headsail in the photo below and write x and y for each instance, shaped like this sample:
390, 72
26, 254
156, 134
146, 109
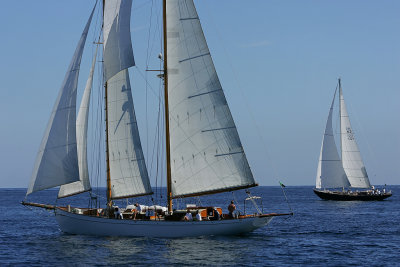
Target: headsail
83, 184
57, 161
351, 157
128, 172
206, 153
330, 172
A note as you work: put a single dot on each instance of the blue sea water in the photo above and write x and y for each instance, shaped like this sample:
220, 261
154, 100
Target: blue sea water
321, 233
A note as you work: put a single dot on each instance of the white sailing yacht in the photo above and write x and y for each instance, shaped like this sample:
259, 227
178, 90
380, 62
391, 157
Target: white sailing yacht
347, 171
204, 154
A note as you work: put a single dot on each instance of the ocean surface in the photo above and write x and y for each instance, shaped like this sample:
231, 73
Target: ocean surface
321, 233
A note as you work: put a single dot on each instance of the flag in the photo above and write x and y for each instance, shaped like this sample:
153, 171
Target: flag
282, 184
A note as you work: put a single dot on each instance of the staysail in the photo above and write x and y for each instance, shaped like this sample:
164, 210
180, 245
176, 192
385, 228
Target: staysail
118, 53
83, 184
206, 153
330, 173
351, 157
128, 172
57, 161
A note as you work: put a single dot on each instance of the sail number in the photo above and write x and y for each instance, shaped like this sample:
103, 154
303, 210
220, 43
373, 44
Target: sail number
350, 135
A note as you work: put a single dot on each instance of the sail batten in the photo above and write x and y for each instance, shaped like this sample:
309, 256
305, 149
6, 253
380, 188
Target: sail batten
57, 161
351, 156
206, 152
330, 172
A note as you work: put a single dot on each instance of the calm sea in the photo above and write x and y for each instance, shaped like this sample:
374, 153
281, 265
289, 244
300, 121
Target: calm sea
321, 233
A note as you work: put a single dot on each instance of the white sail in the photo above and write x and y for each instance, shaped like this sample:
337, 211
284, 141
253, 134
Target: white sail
206, 153
128, 170
57, 161
118, 54
330, 173
83, 184
351, 157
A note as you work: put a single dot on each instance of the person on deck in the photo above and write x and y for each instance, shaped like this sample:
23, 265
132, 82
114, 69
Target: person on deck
138, 210
216, 216
231, 209
117, 213
198, 216
188, 217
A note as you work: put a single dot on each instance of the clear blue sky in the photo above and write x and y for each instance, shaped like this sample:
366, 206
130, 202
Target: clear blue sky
278, 62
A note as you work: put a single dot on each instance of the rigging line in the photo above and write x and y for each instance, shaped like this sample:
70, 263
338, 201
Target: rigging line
163, 149
91, 103
258, 131
146, 93
142, 5
144, 78
287, 201
100, 122
157, 31
364, 137
158, 134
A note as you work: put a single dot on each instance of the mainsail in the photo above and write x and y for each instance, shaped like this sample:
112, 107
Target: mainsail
83, 184
57, 161
330, 172
206, 153
351, 157
128, 172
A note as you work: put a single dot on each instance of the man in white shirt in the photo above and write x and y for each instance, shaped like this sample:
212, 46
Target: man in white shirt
198, 216
117, 213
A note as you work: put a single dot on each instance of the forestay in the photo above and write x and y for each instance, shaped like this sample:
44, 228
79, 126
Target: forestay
206, 153
57, 161
351, 157
128, 172
83, 184
330, 172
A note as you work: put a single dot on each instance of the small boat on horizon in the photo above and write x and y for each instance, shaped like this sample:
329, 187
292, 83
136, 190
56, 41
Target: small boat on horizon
337, 176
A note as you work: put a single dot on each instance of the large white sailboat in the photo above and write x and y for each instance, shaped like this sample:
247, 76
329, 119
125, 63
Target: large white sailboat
347, 171
204, 154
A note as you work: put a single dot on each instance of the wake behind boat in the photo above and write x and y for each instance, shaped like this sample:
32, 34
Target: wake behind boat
204, 154
347, 171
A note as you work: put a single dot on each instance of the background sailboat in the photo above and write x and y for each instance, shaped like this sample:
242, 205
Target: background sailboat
203, 148
349, 170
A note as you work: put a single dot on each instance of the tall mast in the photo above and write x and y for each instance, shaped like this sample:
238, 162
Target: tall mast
107, 150
168, 156
340, 116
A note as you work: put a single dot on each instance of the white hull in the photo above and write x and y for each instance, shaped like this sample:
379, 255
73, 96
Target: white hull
91, 225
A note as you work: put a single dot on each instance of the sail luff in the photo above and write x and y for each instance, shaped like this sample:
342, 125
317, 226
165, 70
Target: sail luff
206, 152
351, 157
83, 185
57, 160
330, 172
